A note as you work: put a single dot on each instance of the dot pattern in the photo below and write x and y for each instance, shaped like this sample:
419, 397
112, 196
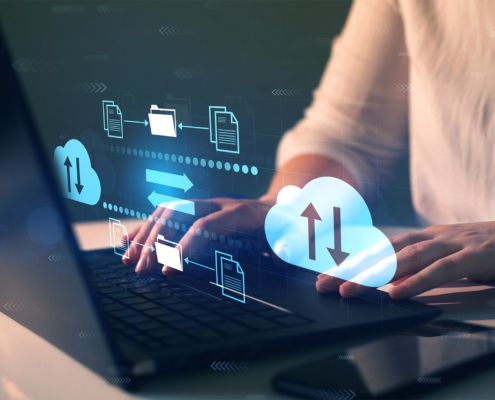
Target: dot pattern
188, 160
206, 233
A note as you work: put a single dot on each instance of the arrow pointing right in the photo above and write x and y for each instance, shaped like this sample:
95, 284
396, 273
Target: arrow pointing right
166, 179
68, 165
337, 254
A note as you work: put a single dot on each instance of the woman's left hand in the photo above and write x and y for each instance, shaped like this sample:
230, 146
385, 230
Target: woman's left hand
432, 257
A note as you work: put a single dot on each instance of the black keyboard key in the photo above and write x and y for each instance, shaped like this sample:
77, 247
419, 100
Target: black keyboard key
156, 295
176, 340
95, 279
186, 324
102, 284
204, 333
274, 313
227, 312
180, 306
210, 318
255, 307
255, 322
130, 332
117, 326
111, 275
133, 300
161, 333
165, 284
170, 318
143, 290
114, 307
123, 313
203, 300
168, 301
105, 301
108, 290
133, 285
103, 270
148, 326
118, 281
187, 294
216, 306
173, 289
120, 295
157, 312
291, 320
230, 328
145, 306
138, 319
195, 312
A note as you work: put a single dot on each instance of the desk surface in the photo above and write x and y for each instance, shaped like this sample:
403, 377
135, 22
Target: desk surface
33, 369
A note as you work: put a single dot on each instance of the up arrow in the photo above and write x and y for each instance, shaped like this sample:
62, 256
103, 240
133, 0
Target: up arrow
311, 214
68, 165
337, 254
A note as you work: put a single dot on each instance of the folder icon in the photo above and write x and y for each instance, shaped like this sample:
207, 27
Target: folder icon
162, 121
169, 253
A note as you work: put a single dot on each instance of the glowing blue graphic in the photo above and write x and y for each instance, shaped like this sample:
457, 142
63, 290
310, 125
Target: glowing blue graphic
230, 276
172, 180
166, 179
162, 121
119, 238
327, 223
112, 120
78, 181
224, 129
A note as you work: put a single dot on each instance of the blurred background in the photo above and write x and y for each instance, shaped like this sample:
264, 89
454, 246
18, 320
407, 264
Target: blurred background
259, 59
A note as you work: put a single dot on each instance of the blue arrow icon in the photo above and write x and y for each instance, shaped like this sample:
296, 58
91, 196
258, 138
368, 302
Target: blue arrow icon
166, 179
195, 263
138, 122
191, 127
172, 203
152, 248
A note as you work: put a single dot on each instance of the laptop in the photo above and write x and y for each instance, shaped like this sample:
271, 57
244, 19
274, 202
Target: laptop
130, 328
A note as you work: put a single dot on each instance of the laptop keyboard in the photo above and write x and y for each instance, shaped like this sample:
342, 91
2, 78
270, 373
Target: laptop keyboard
157, 312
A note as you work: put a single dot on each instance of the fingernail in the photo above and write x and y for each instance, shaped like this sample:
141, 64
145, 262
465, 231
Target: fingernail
142, 264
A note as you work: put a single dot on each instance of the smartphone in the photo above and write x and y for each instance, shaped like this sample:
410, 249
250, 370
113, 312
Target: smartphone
399, 366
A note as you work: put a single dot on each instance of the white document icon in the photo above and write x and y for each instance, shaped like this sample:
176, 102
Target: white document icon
119, 238
162, 121
227, 130
112, 120
233, 279
169, 253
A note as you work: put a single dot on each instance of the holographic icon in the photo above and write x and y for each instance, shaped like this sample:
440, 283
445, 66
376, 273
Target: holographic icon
162, 122
230, 276
119, 238
112, 120
169, 253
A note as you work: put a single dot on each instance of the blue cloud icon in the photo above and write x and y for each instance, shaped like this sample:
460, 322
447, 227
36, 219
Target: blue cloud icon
78, 181
327, 227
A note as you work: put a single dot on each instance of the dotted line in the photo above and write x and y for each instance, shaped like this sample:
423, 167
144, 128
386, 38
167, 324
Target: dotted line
188, 160
177, 225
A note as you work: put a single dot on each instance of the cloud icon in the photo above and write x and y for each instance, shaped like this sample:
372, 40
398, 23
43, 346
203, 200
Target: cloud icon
78, 181
328, 223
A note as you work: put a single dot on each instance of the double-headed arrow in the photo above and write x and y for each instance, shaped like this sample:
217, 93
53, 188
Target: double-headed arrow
78, 185
312, 215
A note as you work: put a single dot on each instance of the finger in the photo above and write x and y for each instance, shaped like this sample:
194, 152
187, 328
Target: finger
445, 270
412, 259
133, 253
328, 284
407, 239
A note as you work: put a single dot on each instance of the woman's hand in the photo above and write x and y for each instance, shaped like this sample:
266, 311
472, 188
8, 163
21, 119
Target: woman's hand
432, 257
239, 215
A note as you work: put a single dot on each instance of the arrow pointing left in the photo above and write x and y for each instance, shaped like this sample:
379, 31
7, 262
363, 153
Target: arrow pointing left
195, 263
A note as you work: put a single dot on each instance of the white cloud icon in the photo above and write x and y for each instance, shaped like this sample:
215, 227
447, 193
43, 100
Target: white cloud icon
328, 223
78, 180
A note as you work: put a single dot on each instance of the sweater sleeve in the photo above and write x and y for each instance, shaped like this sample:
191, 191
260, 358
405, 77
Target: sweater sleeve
358, 116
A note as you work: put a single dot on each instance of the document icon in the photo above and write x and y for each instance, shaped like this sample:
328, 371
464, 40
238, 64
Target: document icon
230, 276
112, 120
227, 132
169, 253
162, 122
119, 238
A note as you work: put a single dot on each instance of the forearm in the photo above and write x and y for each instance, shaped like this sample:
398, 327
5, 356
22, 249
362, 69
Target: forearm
301, 170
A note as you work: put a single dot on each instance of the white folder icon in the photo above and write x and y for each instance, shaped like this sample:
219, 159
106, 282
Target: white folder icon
169, 253
162, 122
